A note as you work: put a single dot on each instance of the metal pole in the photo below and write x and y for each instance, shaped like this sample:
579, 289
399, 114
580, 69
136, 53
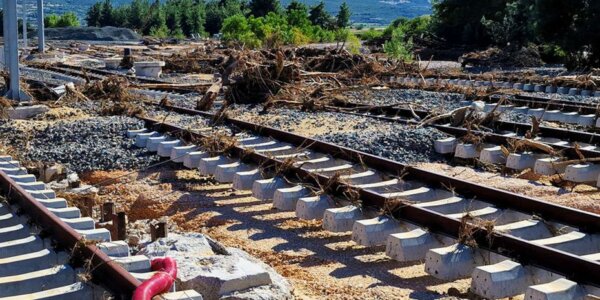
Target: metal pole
5, 32
40, 16
11, 41
24, 27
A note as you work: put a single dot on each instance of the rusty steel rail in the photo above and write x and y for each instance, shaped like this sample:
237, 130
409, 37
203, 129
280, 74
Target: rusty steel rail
104, 270
569, 265
99, 74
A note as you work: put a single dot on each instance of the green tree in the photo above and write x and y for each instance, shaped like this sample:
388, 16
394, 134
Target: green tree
319, 16
459, 21
193, 17
343, 16
106, 14
157, 23
260, 8
297, 14
218, 11
93, 15
172, 11
68, 19
236, 28
138, 13
514, 26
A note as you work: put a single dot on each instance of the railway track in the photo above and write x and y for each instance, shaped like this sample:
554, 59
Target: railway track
84, 73
526, 87
566, 145
561, 111
48, 250
507, 244
489, 151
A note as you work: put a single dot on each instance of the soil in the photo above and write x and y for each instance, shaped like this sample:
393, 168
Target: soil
580, 196
319, 264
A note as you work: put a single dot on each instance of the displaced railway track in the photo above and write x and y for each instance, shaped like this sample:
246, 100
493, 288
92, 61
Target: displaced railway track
475, 81
561, 145
459, 228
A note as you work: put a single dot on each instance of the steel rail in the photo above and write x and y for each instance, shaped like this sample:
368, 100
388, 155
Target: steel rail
569, 265
103, 269
100, 74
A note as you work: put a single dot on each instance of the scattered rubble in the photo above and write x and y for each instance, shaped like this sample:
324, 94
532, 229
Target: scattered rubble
217, 274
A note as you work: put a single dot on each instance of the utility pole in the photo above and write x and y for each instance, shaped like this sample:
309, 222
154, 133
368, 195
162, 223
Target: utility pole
11, 42
40, 27
24, 26
5, 33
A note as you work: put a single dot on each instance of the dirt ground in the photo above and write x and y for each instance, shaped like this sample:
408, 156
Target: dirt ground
319, 264
581, 196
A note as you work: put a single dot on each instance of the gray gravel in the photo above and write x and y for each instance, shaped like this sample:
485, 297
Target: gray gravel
509, 116
404, 97
392, 141
97, 143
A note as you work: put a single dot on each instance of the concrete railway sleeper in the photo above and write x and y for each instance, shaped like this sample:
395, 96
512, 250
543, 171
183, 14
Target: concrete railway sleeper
48, 250
526, 87
504, 241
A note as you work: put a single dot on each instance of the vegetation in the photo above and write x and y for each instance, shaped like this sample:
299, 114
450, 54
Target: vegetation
561, 31
254, 24
294, 26
68, 19
169, 18
566, 30
398, 46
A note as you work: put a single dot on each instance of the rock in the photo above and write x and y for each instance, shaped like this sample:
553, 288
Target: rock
84, 189
280, 288
233, 276
133, 240
26, 112
51, 173
191, 244
73, 180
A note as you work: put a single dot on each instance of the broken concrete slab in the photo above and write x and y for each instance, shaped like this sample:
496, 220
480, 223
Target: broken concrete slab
206, 269
26, 112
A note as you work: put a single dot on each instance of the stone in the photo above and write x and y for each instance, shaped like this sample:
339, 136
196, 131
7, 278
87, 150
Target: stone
233, 275
26, 112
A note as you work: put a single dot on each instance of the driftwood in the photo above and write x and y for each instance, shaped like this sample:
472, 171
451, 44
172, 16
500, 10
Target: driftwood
209, 97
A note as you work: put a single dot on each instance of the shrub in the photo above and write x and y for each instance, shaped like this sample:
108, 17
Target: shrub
68, 19
398, 47
371, 35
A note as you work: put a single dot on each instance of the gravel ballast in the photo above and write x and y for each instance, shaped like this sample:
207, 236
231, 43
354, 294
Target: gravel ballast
418, 99
97, 143
390, 140
395, 142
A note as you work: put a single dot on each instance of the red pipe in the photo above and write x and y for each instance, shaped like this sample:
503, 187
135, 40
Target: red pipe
160, 282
